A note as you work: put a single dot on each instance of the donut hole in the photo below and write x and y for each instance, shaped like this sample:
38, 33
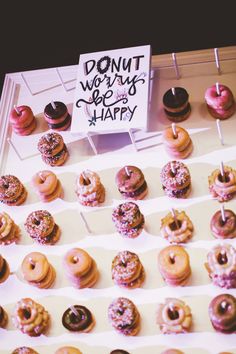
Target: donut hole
222, 222
123, 264
222, 258
49, 138
172, 258
41, 179
32, 265
223, 308
120, 312
175, 225
5, 185
173, 314
75, 260
36, 222
76, 318
225, 178
172, 173
86, 181
25, 313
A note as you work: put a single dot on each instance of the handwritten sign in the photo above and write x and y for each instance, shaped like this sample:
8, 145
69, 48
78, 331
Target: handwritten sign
112, 90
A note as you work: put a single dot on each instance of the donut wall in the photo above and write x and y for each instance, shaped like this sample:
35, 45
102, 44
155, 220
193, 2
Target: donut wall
92, 228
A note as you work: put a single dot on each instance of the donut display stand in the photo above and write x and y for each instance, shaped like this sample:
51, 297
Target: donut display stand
92, 229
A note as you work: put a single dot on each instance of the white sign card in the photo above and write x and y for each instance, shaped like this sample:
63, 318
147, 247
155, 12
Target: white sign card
112, 90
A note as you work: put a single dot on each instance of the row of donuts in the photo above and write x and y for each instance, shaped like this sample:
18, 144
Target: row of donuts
172, 316
219, 99
130, 180
127, 271
175, 227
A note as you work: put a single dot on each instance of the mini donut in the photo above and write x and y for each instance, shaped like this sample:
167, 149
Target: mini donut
22, 120
174, 265
50, 144
88, 182
78, 318
44, 181
128, 219
34, 267
179, 142
39, 223
221, 266
179, 146
127, 215
124, 316
177, 106
127, 270
178, 229
30, 317
37, 271
47, 185
42, 228
222, 101
178, 180
23, 123
174, 316
81, 268
3, 317
222, 313
12, 191
223, 190
24, 350
57, 118
68, 350
176, 184
223, 229
89, 189
77, 262
133, 184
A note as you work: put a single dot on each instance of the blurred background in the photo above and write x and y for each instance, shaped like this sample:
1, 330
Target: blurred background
36, 35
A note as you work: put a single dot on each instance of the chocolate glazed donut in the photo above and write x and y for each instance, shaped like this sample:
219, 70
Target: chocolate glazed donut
77, 319
119, 351
222, 312
223, 228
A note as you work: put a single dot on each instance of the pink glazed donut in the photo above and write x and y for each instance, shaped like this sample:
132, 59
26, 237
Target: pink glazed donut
222, 101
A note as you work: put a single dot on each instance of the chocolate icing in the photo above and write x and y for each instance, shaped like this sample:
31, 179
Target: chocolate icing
177, 100
119, 351
77, 323
223, 319
52, 113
